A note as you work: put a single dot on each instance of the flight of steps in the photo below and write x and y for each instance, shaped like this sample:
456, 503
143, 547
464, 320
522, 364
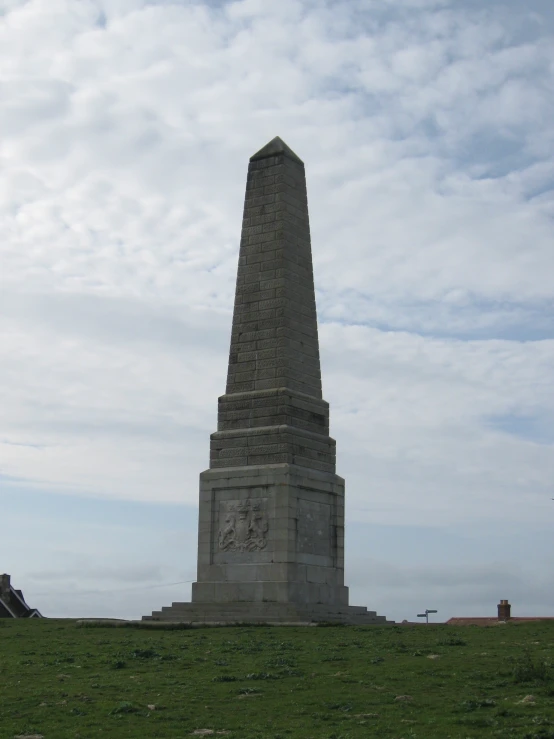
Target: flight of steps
269, 613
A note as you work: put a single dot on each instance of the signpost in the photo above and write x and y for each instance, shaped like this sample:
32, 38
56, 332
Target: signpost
426, 614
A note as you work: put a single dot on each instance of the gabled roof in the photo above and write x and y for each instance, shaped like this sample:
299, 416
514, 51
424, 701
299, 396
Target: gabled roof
6, 611
13, 605
33, 613
19, 595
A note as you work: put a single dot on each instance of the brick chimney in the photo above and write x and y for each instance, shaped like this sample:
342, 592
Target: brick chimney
4, 586
504, 609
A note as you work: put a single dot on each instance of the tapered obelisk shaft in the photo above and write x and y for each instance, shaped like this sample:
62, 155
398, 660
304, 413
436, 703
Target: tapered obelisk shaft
274, 337
272, 411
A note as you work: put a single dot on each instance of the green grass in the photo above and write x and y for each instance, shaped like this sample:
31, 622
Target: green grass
64, 681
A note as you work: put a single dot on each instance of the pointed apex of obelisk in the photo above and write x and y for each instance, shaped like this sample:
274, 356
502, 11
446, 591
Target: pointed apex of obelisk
275, 147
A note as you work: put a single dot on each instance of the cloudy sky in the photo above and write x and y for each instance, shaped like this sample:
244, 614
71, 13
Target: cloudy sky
426, 129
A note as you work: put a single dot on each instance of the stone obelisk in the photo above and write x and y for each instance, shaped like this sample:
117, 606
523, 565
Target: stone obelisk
271, 517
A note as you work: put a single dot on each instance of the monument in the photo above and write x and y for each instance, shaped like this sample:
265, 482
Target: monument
271, 517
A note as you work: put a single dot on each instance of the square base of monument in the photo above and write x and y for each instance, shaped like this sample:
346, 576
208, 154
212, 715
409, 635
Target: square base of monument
264, 613
271, 533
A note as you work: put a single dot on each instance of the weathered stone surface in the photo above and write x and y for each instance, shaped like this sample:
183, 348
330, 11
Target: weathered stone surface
281, 516
271, 518
275, 312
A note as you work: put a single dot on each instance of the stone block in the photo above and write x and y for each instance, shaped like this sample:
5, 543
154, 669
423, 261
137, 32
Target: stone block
226, 592
241, 573
263, 459
237, 461
316, 574
233, 452
204, 591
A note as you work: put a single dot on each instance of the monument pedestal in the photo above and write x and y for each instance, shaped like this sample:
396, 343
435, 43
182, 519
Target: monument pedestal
270, 550
271, 534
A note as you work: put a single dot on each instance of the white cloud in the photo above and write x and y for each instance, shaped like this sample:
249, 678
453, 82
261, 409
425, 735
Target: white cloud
426, 130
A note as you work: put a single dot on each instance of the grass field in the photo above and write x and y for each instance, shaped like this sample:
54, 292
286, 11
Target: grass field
59, 680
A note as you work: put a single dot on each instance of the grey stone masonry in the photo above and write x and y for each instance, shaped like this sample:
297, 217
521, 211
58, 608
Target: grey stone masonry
271, 508
272, 533
272, 411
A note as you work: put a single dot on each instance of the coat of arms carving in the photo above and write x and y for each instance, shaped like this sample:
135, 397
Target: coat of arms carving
245, 528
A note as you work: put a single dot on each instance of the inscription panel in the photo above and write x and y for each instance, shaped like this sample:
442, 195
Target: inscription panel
314, 528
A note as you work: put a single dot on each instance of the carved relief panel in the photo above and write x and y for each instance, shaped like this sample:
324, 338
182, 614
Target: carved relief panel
243, 525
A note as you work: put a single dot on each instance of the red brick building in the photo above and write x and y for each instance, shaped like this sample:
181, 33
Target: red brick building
504, 616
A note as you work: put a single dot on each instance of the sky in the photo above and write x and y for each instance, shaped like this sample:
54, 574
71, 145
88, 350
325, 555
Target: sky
426, 130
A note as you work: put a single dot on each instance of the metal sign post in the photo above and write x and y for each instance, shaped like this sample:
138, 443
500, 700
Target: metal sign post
426, 614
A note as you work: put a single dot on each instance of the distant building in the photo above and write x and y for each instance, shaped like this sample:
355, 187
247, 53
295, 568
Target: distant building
12, 602
504, 616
